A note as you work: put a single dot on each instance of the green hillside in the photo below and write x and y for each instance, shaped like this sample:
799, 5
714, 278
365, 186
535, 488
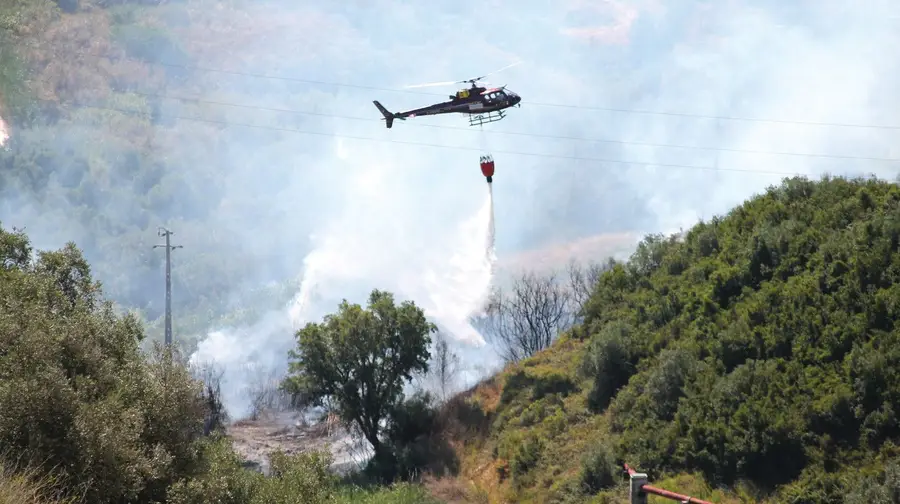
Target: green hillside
758, 352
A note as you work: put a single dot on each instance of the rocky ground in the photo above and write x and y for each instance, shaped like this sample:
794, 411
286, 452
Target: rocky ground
293, 432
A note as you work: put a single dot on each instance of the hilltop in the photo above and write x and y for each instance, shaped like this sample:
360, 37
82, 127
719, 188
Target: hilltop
755, 357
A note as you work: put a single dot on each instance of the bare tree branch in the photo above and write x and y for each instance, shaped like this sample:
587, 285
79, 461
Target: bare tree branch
528, 317
443, 368
583, 280
266, 394
211, 375
446, 365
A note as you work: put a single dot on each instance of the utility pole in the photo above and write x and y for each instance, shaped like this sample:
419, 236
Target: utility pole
166, 233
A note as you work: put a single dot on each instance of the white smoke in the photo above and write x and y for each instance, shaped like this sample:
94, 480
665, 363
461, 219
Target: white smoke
449, 286
4, 133
377, 241
456, 289
446, 275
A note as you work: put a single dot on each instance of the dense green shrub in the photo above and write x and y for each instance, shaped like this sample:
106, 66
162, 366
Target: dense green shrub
880, 489
598, 470
222, 480
526, 456
608, 363
76, 394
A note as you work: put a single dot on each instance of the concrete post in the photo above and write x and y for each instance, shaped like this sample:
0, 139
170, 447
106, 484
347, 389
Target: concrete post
638, 496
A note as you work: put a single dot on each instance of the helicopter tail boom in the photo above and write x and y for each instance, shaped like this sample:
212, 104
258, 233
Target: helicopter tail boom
388, 116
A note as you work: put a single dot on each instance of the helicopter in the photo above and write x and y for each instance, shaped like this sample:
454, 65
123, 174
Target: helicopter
482, 104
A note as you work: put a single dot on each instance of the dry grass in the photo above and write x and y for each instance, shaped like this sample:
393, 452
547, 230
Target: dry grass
454, 491
487, 394
26, 487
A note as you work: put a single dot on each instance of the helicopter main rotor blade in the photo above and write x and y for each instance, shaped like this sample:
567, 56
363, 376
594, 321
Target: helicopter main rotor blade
431, 84
449, 83
495, 71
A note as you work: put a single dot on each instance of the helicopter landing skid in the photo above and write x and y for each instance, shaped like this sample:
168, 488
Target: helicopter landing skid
480, 119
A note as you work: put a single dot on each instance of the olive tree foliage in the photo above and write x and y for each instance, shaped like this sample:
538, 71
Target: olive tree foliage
527, 316
77, 396
358, 360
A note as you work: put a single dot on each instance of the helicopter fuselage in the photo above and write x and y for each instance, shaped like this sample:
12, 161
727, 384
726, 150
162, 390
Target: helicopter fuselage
468, 101
480, 104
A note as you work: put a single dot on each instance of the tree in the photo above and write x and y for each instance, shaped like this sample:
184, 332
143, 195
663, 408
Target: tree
446, 365
266, 395
358, 359
211, 375
528, 317
583, 279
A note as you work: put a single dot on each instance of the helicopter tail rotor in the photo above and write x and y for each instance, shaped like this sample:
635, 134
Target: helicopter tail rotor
388, 115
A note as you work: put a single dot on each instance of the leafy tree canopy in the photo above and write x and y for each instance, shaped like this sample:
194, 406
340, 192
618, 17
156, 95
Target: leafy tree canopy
359, 359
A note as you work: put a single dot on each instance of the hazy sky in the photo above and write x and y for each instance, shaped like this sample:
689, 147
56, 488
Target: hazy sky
410, 218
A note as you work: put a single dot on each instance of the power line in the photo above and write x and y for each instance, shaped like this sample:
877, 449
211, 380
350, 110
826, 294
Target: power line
451, 147
516, 133
525, 102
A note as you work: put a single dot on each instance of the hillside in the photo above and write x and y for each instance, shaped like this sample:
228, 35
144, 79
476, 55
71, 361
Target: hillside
758, 352
109, 141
